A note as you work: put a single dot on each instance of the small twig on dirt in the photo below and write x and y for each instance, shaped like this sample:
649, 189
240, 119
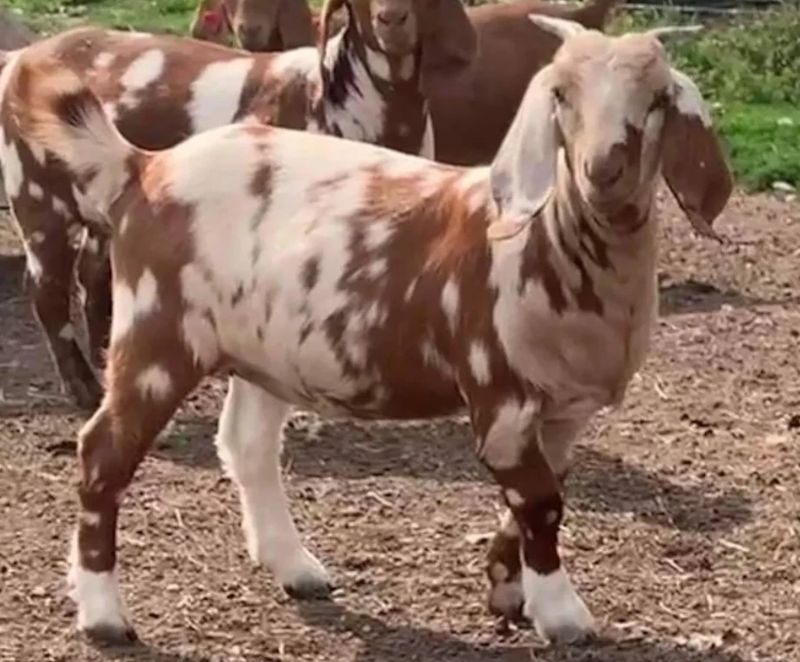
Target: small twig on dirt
477, 538
671, 612
179, 519
381, 500
790, 533
733, 545
659, 388
675, 566
281, 650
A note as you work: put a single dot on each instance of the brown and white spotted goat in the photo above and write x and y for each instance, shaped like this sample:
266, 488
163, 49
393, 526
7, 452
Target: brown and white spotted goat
160, 90
354, 280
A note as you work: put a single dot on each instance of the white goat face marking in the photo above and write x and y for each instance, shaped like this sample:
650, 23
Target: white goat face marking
216, 93
144, 70
450, 303
479, 363
154, 382
36, 237
509, 434
129, 305
553, 605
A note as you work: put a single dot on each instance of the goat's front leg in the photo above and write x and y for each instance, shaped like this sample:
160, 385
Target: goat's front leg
510, 445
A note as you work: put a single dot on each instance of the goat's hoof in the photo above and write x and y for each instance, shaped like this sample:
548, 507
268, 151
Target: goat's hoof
111, 635
565, 623
86, 395
506, 600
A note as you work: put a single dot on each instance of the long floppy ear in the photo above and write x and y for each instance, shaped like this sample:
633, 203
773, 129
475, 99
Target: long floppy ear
294, 24
325, 22
693, 163
524, 171
448, 38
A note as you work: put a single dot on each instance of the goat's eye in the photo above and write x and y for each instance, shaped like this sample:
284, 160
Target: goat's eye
558, 95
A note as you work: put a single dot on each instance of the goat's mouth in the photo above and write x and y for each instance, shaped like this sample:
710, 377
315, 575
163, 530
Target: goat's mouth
395, 42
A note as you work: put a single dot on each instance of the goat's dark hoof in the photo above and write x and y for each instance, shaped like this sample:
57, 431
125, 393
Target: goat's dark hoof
309, 588
86, 395
111, 635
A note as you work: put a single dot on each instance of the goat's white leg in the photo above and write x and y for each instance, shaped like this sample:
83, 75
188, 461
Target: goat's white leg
249, 445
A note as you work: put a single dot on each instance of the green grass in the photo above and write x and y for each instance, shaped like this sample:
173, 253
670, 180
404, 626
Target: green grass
748, 69
150, 15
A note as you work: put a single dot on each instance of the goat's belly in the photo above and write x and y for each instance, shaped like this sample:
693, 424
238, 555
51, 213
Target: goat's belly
302, 362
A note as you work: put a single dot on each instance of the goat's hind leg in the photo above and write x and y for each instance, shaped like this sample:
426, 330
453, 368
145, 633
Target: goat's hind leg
249, 445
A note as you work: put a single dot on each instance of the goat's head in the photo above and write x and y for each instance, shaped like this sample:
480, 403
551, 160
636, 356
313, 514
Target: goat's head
212, 20
397, 28
261, 25
619, 116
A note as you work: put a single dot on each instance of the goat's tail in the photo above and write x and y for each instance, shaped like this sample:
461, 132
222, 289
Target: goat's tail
54, 108
594, 14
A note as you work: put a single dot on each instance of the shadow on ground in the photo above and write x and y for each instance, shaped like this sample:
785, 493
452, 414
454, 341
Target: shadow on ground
386, 643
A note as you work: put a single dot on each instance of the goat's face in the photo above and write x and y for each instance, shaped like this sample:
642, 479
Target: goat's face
390, 26
610, 98
262, 25
619, 115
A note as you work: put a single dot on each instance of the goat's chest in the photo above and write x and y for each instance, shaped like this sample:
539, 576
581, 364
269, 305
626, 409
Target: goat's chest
583, 360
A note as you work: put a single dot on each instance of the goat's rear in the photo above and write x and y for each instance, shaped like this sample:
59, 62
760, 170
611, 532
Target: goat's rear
53, 108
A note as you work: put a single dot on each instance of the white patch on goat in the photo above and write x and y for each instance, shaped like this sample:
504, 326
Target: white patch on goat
552, 604
144, 70
301, 62
427, 150
199, 334
378, 64
67, 332
361, 116
216, 93
154, 382
34, 265
90, 518
129, 305
410, 290
432, 357
103, 60
12, 169
39, 153
35, 191
450, 303
97, 595
509, 434
60, 207
479, 363
36, 238
514, 498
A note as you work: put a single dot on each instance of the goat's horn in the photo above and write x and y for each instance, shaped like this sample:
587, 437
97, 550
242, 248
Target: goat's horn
560, 27
669, 32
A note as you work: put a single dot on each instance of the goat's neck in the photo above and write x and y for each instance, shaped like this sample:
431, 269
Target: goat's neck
623, 244
367, 96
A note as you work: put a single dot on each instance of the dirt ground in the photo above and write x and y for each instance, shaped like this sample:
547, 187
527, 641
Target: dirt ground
683, 525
